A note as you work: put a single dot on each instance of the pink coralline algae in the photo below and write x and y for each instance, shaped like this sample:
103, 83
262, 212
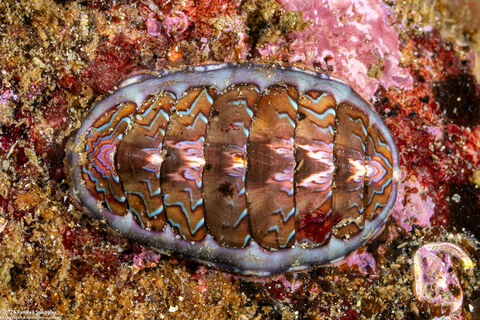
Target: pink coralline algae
436, 281
8, 95
354, 37
146, 259
7, 100
413, 207
154, 27
364, 261
176, 23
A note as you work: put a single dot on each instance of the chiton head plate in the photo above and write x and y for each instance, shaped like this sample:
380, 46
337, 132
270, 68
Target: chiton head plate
258, 169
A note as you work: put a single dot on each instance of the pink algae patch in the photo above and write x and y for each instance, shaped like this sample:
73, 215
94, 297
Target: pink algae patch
146, 258
413, 206
176, 23
363, 261
350, 38
154, 27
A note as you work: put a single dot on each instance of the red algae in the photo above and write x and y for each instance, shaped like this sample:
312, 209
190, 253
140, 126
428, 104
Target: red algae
438, 156
203, 14
89, 256
114, 60
415, 63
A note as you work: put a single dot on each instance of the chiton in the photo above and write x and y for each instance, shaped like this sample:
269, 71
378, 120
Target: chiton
258, 169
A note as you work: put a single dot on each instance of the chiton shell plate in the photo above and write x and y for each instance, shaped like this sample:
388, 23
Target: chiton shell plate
258, 169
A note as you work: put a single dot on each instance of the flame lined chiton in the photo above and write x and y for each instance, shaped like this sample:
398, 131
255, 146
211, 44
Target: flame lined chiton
258, 169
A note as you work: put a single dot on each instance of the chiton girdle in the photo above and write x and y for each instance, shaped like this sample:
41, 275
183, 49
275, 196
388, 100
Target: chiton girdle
258, 169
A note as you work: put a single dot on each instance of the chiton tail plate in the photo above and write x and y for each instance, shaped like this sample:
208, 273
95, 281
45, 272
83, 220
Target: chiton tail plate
258, 169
